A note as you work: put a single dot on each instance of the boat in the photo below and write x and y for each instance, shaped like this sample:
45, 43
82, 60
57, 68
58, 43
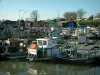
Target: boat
78, 51
43, 49
80, 54
47, 49
14, 49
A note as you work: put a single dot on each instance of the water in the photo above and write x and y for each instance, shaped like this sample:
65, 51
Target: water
42, 68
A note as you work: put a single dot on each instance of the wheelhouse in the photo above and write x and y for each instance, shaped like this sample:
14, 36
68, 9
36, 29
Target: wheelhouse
46, 42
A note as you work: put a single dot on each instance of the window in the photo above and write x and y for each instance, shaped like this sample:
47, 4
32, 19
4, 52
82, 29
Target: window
44, 42
53, 41
39, 42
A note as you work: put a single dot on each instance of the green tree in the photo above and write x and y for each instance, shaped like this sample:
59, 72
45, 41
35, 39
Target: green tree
70, 15
61, 19
57, 20
91, 17
80, 13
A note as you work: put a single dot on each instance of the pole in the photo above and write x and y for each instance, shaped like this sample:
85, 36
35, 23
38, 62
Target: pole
19, 18
19, 24
19, 21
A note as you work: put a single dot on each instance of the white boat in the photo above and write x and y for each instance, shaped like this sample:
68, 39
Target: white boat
43, 49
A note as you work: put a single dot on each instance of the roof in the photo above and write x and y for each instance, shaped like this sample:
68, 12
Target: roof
48, 38
66, 21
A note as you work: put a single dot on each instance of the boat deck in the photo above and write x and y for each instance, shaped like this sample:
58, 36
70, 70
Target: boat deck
82, 51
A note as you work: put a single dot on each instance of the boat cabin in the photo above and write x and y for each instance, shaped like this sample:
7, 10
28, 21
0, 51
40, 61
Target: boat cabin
46, 47
47, 42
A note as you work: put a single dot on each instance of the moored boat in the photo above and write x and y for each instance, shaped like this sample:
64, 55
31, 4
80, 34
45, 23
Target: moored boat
14, 49
44, 49
80, 54
47, 49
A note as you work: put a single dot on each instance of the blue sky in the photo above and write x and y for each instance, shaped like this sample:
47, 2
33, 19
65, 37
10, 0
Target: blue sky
47, 9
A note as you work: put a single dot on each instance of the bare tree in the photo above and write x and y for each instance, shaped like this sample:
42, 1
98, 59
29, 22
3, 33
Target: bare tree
80, 13
34, 15
70, 15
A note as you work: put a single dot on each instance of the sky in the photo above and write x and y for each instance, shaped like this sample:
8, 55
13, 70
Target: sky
47, 9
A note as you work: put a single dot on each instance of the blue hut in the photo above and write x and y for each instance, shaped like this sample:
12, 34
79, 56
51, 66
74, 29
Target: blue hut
70, 24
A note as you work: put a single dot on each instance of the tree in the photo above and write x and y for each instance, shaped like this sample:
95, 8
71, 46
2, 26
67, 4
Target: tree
97, 15
22, 23
61, 19
70, 15
91, 17
34, 15
80, 13
57, 20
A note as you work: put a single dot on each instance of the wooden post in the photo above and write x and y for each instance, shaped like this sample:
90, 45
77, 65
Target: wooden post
51, 52
82, 55
70, 52
75, 50
95, 52
89, 53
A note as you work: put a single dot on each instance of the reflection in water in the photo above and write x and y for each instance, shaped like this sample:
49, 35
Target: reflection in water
36, 68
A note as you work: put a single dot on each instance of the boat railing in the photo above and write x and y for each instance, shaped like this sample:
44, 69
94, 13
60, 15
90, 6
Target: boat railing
81, 54
87, 53
65, 45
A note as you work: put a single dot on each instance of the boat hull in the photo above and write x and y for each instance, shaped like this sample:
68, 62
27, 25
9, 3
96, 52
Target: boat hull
16, 55
77, 61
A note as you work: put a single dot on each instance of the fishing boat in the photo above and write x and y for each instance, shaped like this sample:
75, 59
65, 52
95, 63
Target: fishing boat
44, 49
80, 53
47, 49
14, 49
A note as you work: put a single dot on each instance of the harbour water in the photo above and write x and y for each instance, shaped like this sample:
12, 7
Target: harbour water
44, 68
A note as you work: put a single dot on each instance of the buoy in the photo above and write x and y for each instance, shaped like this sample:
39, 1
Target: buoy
33, 46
